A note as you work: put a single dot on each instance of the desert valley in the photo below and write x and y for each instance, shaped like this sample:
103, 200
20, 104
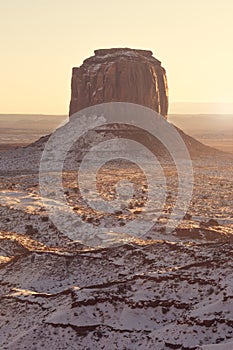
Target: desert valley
164, 289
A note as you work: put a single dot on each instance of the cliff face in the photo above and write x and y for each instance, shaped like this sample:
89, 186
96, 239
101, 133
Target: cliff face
120, 75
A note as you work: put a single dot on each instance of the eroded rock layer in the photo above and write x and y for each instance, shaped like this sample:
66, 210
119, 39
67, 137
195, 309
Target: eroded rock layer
120, 75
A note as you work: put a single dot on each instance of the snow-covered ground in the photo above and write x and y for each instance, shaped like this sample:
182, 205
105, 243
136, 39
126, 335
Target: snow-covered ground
168, 291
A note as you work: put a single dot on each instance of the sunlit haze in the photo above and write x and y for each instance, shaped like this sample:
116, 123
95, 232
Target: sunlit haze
42, 40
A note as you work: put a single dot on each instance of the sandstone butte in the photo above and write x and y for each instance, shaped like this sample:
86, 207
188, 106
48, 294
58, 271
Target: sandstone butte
120, 75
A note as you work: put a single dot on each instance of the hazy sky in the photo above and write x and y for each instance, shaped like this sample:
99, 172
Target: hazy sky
42, 40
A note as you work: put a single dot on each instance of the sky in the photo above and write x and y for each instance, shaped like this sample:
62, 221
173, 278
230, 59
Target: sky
42, 40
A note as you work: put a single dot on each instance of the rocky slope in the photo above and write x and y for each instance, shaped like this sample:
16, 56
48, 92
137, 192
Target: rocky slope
120, 75
27, 159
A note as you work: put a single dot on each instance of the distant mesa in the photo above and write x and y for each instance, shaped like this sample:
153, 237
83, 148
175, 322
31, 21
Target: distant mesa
126, 75
120, 75
112, 75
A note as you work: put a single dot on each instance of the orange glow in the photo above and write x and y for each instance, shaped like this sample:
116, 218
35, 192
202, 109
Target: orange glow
43, 40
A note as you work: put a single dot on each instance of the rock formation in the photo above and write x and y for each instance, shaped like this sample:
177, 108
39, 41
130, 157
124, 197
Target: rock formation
120, 75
